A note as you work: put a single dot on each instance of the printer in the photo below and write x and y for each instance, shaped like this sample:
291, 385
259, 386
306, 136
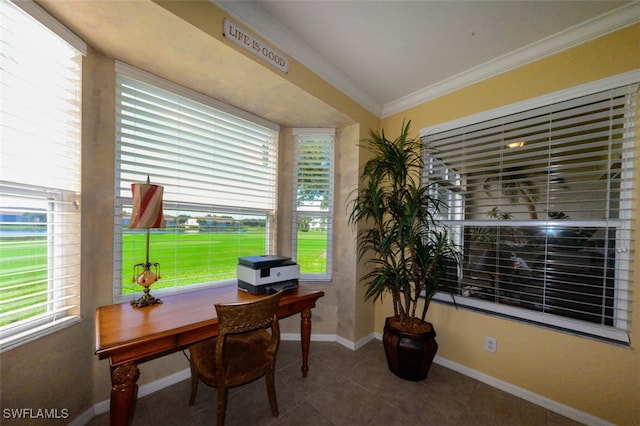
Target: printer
267, 274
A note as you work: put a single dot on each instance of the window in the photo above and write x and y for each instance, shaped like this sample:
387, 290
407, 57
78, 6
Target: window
313, 202
217, 166
543, 207
40, 175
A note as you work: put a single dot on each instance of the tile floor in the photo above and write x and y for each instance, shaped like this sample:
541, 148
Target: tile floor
345, 387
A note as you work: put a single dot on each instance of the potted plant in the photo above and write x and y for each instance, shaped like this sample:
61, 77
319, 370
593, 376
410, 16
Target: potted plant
406, 248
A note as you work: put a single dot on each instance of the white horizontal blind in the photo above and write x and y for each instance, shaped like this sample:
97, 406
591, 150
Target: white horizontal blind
218, 172
39, 177
313, 201
204, 156
544, 211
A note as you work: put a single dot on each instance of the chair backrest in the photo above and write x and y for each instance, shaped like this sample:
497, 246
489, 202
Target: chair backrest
240, 317
242, 322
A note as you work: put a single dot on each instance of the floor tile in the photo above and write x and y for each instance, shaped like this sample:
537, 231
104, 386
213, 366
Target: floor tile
345, 387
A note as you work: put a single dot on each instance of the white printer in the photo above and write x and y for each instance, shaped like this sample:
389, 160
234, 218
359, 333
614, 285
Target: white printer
267, 274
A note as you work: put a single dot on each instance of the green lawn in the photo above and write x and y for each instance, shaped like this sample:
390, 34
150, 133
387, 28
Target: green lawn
185, 258
23, 277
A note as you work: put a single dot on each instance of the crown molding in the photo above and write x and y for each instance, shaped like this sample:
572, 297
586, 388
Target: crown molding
574, 36
282, 38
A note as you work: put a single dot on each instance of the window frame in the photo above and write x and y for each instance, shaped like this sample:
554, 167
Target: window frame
61, 196
325, 135
624, 250
122, 202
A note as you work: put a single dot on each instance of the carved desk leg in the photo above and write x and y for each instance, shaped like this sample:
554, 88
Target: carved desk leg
305, 334
123, 394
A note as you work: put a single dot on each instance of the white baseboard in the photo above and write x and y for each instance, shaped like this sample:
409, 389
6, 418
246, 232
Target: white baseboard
556, 407
295, 337
360, 343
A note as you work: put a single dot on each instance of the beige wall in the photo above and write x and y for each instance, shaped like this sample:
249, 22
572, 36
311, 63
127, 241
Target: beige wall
598, 378
61, 370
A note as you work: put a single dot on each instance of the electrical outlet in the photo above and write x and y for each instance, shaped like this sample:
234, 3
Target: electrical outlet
490, 344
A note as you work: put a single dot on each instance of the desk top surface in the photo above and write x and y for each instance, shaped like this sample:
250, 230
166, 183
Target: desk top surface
121, 324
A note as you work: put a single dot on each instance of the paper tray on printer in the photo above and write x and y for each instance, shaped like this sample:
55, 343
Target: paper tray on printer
265, 261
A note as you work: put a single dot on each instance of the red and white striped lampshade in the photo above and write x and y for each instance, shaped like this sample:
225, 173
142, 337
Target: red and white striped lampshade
147, 206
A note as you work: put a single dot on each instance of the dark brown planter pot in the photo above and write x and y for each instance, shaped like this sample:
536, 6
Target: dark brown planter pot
410, 348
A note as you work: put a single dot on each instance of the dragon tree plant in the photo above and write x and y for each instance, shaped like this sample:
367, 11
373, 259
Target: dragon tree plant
406, 249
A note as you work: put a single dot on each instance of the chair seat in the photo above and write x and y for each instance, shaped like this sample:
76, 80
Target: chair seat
245, 357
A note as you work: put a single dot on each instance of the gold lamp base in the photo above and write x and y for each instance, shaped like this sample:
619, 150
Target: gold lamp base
146, 300
145, 279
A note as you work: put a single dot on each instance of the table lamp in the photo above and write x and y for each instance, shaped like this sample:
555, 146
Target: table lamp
146, 214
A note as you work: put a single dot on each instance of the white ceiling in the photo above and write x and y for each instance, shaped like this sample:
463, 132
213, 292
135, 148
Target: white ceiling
390, 55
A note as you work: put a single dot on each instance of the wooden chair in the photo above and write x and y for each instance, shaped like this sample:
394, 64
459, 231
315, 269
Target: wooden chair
243, 351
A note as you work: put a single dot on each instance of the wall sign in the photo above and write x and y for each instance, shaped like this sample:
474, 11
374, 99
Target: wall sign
243, 38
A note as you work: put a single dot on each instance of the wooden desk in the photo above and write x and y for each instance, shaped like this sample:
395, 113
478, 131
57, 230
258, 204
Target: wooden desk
129, 336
